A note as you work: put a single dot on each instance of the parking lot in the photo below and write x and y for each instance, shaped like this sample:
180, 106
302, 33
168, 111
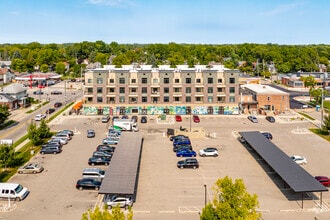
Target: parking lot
166, 192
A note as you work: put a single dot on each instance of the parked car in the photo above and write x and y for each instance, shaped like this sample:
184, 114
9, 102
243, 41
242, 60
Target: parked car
38, 92
185, 153
178, 118
88, 183
144, 119
52, 144
30, 168
61, 141
98, 161
196, 119
267, 135
57, 104
182, 147
105, 118
324, 180
114, 131
50, 110
66, 131
102, 154
113, 201
253, 118
50, 149
56, 92
39, 117
188, 163
62, 134
115, 117
299, 159
172, 138
90, 133
124, 117
110, 141
104, 147
185, 141
270, 119
209, 152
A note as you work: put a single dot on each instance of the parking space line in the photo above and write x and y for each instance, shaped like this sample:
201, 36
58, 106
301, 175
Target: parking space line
166, 212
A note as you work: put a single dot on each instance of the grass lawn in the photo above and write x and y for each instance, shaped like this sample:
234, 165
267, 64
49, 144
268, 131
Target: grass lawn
324, 134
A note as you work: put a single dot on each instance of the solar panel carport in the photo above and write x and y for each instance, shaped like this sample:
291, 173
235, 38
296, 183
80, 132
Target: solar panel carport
298, 179
121, 178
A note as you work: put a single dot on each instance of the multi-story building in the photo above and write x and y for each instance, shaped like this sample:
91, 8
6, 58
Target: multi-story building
146, 90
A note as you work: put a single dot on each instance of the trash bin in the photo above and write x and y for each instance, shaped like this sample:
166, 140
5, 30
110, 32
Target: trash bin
317, 108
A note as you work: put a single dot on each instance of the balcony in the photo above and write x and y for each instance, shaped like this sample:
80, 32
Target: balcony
177, 94
133, 94
221, 94
199, 94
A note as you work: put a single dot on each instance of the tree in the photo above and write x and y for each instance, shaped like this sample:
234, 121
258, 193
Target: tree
60, 68
7, 155
309, 81
326, 122
44, 68
4, 113
33, 134
115, 214
43, 130
231, 201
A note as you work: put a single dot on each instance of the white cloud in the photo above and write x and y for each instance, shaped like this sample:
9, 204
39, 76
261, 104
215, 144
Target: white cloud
112, 3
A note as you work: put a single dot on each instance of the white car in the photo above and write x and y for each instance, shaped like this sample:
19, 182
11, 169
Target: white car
122, 202
253, 118
209, 152
39, 117
299, 159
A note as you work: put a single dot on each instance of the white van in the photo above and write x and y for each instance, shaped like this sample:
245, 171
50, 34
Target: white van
95, 173
13, 191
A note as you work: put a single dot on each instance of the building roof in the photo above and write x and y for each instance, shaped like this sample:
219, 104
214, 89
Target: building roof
263, 89
6, 98
14, 88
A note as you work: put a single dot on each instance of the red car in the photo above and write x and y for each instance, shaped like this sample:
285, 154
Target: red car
178, 118
324, 180
41, 86
196, 119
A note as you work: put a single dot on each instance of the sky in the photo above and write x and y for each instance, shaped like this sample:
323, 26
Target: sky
285, 22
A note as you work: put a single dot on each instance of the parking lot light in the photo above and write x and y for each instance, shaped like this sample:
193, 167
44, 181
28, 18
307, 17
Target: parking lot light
205, 194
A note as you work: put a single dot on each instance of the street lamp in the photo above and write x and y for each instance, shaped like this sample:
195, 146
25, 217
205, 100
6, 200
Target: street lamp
205, 194
321, 108
190, 121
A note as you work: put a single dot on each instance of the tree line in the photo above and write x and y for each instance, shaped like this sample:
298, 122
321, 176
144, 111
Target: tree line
254, 59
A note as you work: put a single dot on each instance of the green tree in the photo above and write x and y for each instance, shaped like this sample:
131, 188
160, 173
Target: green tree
44, 68
309, 81
4, 113
33, 134
326, 122
60, 68
231, 201
43, 130
7, 155
115, 214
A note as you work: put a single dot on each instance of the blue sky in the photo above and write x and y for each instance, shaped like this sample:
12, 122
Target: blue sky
162, 21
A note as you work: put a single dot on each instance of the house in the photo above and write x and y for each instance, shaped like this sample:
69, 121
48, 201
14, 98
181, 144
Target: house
6, 76
17, 91
9, 101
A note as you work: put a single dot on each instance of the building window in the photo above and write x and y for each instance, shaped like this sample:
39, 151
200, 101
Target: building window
133, 81
144, 80
198, 80
89, 90
199, 99
99, 90
166, 99
144, 99
111, 90
155, 81
188, 80
166, 89
121, 99
210, 99
268, 98
177, 90
121, 80
188, 90
209, 89
210, 80
231, 80
188, 99
231, 98
219, 80
99, 81
220, 99
220, 89
133, 90
231, 89
177, 80
112, 99
199, 90
111, 81
177, 99
99, 99
144, 90
166, 80
89, 80
122, 90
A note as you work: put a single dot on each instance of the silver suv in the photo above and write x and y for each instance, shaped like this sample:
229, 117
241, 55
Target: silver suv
113, 201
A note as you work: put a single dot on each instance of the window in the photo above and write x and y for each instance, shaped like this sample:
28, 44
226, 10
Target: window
220, 99
111, 90
121, 80
210, 80
219, 89
231, 80
122, 90
166, 80
188, 99
144, 80
155, 81
198, 80
177, 80
99, 81
231, 89
133, 81
177, 99
199, 90
144, 99
177, 90
111, 80
210, 99
166, 90
89, 90
121, 99
268, 98
210, 90
89, 80
166, 99
188, 80
99, 99
199, 99
144, 90
231, 99
219, 80
112, 99
99, 89
133, 90
188, 90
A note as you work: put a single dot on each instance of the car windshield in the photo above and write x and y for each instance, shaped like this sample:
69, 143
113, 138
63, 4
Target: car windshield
19, 188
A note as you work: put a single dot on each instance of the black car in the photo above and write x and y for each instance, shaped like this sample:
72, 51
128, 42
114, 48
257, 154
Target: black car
270, 119
188, 163
124, 117
144, 119
99, 161
102, 154
57, 104
50, 110
172, 138
38, 92
88, 183
267, 135
56, 93
104, 147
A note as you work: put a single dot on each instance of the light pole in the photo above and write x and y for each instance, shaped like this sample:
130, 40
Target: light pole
321, 108
205, 194
190, 121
